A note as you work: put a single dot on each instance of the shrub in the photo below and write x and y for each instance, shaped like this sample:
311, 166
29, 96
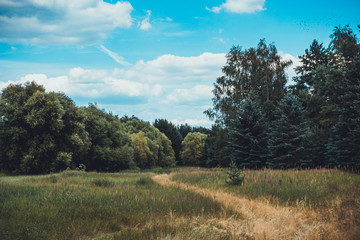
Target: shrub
234, 174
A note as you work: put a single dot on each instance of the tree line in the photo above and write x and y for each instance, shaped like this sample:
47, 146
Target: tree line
259, 121
312, 123
42, 132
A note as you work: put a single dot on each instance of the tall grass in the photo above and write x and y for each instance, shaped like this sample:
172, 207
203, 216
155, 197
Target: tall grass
314, 188
315, 204
78, 205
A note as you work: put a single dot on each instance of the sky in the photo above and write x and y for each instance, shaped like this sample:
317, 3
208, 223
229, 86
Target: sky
152, 59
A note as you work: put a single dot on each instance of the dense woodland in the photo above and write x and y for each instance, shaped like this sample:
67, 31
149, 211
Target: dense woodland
259, 121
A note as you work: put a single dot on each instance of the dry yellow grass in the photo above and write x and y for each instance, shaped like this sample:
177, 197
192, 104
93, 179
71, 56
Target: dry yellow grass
261, 220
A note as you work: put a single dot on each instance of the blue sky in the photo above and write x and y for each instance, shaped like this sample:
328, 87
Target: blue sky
152, 59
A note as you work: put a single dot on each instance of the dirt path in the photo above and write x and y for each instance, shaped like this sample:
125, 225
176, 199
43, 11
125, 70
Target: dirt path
261, 220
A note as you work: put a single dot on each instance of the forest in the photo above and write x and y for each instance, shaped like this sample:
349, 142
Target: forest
259, 120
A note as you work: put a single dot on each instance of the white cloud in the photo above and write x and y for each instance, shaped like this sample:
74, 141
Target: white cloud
195, 94
119, 59
239, 6
91, 84
192, 122
175, 69
145, 23
290, 71
61, 21
170, 71
169, 86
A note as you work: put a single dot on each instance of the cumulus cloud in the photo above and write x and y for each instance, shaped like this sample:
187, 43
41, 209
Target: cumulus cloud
290, 71
176, 69
170, 71
192, 122
239, 6
61, 21
145, 23
191, 95
91, 83
178, 87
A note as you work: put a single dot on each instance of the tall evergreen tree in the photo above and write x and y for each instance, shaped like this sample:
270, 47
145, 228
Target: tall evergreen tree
172, 133
247, 136
287, 134
330, 78
218, 152
344, 143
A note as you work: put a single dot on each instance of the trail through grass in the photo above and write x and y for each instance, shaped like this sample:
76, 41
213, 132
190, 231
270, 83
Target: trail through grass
191, 203
76, 205
271, 214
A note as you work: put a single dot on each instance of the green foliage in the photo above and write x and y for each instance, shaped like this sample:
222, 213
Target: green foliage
81, 167
257, 72
172, 133
194, 149
287, 134
329, 88
248, 136
217, 150
234, 174
111, 148
151, 147
38, 130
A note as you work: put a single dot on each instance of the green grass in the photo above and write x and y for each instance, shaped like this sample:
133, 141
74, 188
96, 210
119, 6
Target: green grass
74, 205
313, 188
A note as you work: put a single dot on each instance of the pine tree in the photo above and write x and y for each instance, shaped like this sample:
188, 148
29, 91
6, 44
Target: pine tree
287, 134
247, 137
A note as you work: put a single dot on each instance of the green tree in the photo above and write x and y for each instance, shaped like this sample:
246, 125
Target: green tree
218, 152
161, 153
330, 98
287, 134
41, 132
258, 72
344, 143
141, 150
172, 133
184, 129
194, 149
111, 146
248, 136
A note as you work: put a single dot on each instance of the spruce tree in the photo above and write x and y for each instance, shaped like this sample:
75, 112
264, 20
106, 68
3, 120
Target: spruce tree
287, 134
247, 136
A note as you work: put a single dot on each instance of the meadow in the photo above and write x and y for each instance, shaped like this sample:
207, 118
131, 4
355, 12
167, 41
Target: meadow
190, 203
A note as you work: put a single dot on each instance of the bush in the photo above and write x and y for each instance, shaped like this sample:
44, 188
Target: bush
235, 176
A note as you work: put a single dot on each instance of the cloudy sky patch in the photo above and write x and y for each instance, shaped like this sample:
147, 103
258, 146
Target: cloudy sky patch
152, 59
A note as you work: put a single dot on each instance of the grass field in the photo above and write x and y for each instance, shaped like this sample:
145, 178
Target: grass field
187, 204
